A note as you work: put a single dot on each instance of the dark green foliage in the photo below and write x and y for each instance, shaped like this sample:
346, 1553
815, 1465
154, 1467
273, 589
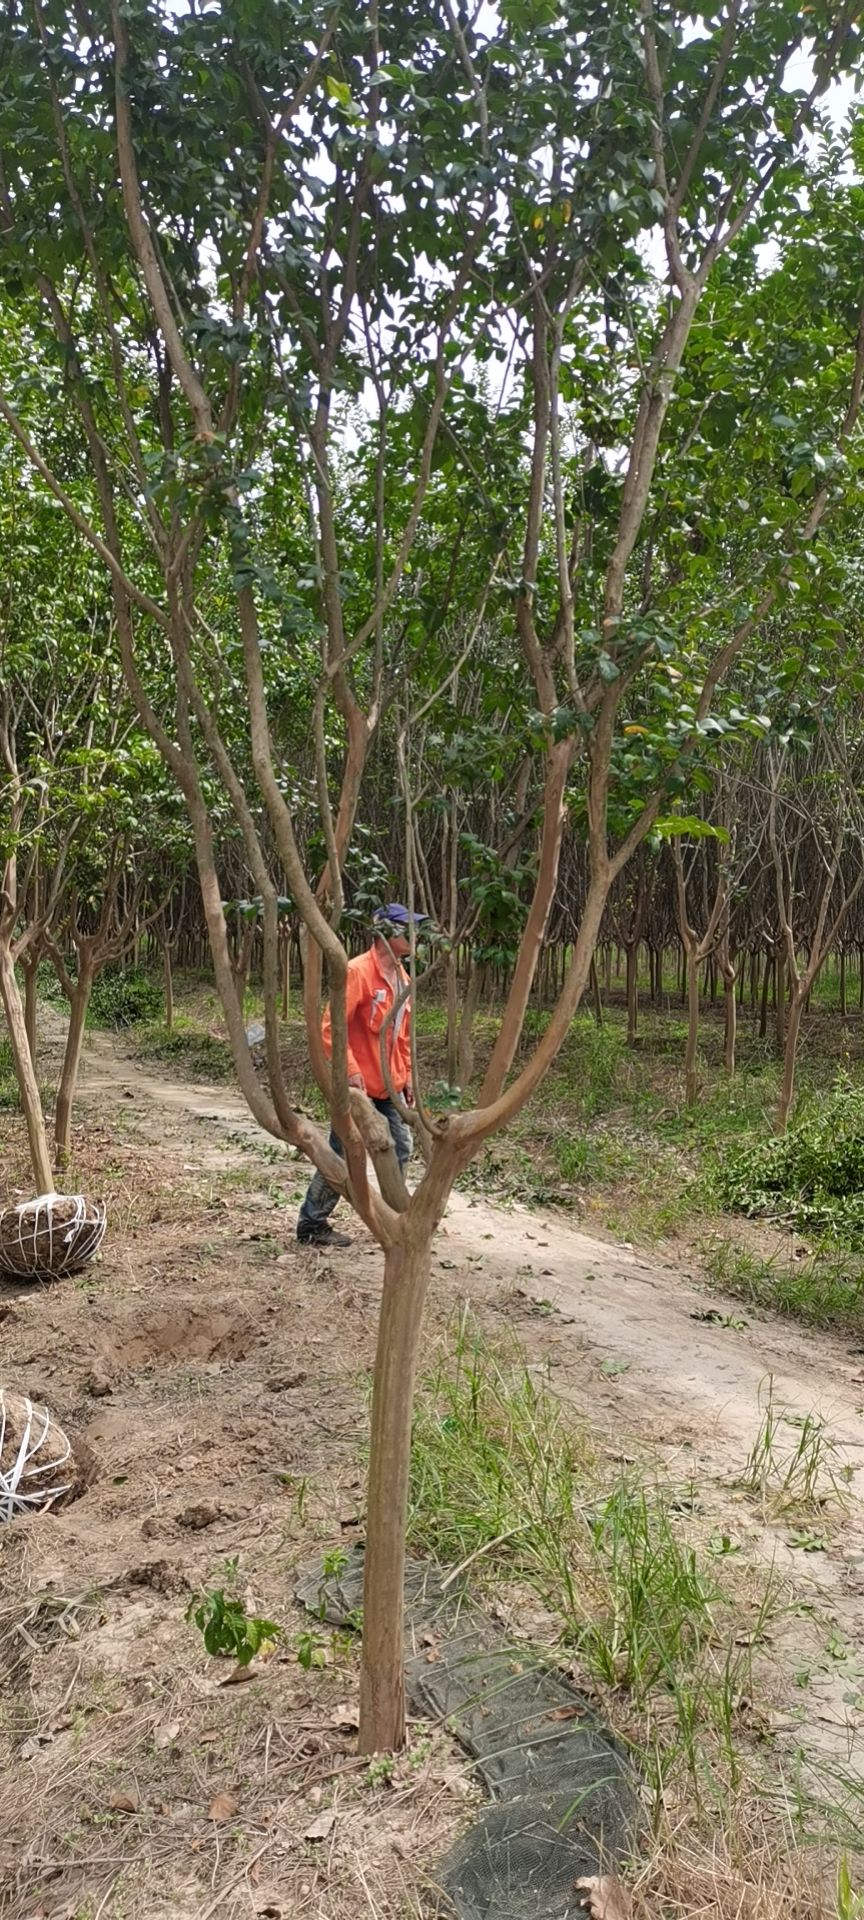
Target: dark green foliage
124, 999
813, 1177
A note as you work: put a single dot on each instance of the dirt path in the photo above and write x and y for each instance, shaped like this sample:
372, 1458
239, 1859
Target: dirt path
705, 1377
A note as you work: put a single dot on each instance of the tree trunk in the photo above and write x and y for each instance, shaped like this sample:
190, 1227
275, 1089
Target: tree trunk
596, 995
731, 1021
31, 969
790, 1055
473, 991
168, 983
69, 1074
780, 1000
690, 1081
452, 1021
632, 979
842, 983
25, 1075
286, 975
766, 990
382, 1675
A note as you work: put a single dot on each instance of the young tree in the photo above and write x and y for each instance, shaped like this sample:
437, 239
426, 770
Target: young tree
401, 197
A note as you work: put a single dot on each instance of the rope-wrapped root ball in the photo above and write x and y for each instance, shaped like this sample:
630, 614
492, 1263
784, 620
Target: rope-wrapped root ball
54, 1234
37, 1466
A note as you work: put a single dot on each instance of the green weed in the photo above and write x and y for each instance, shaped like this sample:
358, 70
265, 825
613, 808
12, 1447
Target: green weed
227, 1630
793, 1462
503, 1479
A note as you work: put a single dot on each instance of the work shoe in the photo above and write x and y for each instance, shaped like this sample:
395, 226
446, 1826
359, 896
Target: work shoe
320, 1234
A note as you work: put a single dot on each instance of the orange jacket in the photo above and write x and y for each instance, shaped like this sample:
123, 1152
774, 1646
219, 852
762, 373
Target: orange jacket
369, 995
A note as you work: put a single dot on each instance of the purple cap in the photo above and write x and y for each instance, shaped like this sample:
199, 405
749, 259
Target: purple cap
397, 915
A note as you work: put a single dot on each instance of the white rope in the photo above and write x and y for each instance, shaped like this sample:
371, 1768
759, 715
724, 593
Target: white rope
19, 1467
44, 1236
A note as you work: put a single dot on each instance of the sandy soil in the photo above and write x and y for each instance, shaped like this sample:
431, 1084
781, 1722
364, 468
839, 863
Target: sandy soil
217, 1373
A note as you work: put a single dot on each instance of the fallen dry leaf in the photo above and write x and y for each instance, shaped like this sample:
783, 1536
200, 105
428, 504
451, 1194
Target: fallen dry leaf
223, 1806
165, 1736
238, 1675
344, 1719
123, 1803
321, 1827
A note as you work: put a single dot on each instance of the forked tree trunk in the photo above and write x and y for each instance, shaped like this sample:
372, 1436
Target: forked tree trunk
78, 1005
632, 980
25, 1075
382, 1674
790, 1056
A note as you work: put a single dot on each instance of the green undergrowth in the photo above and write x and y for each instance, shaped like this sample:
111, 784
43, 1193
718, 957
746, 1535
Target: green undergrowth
505, 1478
9, 1097
185, 1047
812, 1177
824, 1288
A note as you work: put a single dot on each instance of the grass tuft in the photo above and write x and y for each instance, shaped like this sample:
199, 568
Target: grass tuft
503, 1477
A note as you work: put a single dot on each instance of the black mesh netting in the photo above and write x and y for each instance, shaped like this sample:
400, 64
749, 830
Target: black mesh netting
564, 1798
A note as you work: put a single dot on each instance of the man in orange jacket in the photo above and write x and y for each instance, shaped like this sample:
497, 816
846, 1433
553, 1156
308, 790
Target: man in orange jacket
374, 980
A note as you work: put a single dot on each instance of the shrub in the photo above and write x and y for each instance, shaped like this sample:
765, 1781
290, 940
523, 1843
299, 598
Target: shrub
123, 999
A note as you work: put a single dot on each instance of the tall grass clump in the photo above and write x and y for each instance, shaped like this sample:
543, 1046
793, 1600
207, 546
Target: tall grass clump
505, 1480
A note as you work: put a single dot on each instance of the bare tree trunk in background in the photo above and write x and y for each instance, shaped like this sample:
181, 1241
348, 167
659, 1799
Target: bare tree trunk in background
28, 1085
596, 995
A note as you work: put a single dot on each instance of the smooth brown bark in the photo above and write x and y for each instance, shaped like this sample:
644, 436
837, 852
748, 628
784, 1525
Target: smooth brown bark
78, 1005
168, 983
30, 969
691, 1081
596, 995
632, 976
790, 1056
25, 1074
382, 1674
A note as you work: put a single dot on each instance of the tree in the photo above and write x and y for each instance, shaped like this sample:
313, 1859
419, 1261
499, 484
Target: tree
401, 198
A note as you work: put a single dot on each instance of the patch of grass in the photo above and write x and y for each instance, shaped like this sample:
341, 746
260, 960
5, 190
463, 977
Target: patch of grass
10, 1101
504, 1478
186, 1046
823, 1289
793, 1464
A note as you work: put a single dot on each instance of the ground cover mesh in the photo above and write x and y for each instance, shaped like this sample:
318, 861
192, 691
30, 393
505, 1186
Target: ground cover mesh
563, 1796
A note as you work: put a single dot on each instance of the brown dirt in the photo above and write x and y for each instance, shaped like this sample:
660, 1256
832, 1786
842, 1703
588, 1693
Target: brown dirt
217, 1373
